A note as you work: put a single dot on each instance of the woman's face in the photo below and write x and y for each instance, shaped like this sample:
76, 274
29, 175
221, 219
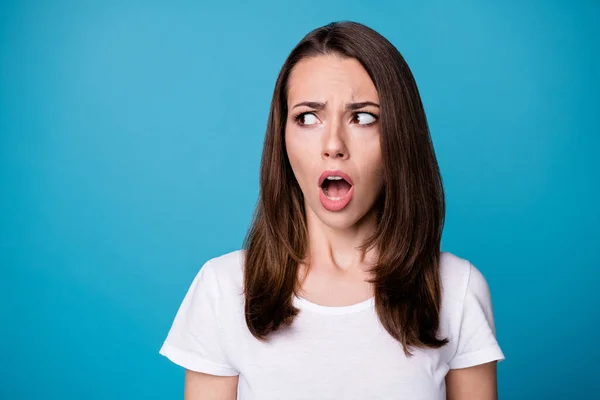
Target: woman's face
332, 131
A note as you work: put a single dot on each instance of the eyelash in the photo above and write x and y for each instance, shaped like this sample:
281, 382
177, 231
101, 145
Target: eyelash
299, 115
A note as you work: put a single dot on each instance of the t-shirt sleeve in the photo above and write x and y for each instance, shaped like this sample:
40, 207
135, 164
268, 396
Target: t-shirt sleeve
193, 341
476, 342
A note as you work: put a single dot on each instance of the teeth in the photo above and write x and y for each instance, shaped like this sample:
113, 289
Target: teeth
333, 198
334, 178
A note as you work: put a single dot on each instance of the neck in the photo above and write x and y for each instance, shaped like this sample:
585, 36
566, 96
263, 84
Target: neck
337, 250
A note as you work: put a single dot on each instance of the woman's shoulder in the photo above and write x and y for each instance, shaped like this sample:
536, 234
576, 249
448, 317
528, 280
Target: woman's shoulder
457, 274
465, 291
218, 284
467, 317
463, 284
230, 263
458, 277
225, 271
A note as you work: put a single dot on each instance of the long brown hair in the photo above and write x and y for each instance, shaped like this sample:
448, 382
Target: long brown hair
410, 211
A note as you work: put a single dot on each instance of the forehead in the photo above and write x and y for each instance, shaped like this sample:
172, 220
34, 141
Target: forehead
324, 77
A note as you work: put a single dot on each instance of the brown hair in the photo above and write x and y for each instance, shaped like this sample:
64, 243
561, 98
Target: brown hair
410, 210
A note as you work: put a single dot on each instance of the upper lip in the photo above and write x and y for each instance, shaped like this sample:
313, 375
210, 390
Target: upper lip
334, 172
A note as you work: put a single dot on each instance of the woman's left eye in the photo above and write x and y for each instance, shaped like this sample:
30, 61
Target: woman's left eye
364, 118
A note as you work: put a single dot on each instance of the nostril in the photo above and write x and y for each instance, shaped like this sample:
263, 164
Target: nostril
340, 155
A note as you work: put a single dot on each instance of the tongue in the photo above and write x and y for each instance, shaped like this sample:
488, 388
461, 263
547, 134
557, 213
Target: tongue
337, 188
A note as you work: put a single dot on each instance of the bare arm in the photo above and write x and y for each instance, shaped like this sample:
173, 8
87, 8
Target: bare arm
199, 386
473, 383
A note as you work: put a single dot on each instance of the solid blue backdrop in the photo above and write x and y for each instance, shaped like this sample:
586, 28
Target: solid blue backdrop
131, 135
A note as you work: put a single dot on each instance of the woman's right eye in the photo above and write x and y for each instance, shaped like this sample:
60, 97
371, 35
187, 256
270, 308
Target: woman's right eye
307, 119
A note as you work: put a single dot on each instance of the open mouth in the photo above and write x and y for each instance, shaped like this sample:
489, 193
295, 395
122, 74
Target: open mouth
335, 187
337, 190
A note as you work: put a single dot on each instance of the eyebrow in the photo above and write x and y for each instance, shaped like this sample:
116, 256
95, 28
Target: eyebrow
349, 106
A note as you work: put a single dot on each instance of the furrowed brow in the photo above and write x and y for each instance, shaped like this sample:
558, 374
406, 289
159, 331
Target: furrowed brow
362, 104
350, 106
312, 104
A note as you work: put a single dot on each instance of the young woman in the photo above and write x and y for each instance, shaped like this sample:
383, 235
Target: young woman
341, 290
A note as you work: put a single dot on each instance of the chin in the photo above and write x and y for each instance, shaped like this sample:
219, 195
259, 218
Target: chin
338, 220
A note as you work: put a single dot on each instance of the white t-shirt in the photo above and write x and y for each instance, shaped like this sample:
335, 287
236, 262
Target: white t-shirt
329, 352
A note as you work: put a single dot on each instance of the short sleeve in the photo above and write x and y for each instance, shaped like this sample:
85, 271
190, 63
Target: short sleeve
193, 341
476, 342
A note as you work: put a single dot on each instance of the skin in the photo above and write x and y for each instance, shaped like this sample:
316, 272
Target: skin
478, 382
199, 386
328, 136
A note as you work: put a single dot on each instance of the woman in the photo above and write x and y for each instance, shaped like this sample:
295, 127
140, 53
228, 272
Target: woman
341, 291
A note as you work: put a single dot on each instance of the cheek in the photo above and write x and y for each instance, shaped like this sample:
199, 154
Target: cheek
375, 168
297, 154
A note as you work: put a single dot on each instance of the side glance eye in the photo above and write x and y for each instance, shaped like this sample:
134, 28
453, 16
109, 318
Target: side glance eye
306, 118
360, 118
364, 118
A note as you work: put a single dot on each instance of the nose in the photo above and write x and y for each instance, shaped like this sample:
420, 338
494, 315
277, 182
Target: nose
334, 145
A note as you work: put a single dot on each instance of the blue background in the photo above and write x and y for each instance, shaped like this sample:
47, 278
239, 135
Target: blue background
131, 135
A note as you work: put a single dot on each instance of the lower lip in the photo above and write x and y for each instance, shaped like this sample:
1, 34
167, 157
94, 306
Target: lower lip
336, 205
